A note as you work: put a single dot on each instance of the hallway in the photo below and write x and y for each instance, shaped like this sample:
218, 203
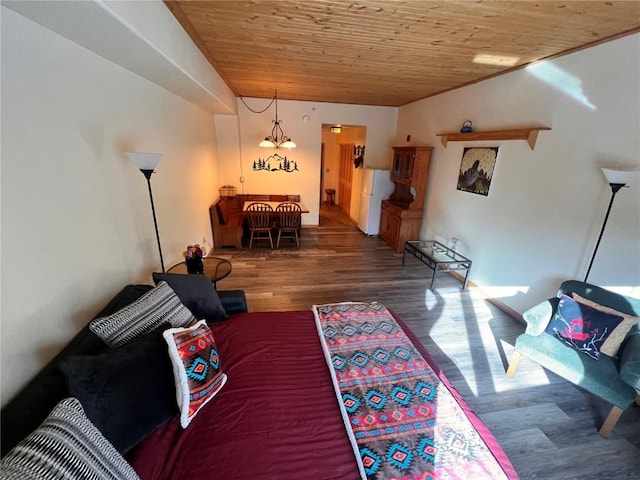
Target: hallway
332, 216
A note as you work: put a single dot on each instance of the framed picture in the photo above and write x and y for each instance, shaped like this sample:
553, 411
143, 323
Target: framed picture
476, 169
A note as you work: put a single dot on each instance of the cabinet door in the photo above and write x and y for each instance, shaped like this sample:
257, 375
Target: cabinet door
406, 167
393, 230
395, 170
389, 227
384, 224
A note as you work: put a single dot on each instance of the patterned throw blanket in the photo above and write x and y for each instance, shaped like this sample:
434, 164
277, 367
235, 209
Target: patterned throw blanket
402, 420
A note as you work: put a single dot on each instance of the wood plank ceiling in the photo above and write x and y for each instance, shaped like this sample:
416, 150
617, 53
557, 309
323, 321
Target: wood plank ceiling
382, 52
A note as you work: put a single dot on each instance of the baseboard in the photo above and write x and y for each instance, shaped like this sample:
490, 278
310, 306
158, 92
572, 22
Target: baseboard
494, 301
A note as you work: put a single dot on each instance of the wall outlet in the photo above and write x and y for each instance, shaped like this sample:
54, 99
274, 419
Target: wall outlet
454, 243
241, 179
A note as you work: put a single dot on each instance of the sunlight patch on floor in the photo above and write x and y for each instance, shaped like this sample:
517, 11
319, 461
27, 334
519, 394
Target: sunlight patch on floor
466, 337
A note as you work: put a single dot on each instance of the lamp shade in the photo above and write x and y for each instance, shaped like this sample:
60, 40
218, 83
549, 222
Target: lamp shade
144, 161
266, 143
618, 176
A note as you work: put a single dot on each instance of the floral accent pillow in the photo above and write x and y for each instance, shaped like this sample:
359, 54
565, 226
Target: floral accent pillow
196, 368
584, 328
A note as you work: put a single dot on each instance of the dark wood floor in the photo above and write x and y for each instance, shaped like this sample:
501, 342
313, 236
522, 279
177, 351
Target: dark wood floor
547, 426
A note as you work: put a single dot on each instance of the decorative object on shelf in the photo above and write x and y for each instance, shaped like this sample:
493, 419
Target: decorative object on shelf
227, 191
284, 164
617, 179
147, 162
193, 259
528, 134
467, 127
336, 129
476, 169
277, 139
358, 155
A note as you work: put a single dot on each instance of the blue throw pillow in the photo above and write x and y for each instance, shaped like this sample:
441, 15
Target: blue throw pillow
581, 326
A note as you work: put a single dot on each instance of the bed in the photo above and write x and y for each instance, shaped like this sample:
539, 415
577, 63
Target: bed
286, 411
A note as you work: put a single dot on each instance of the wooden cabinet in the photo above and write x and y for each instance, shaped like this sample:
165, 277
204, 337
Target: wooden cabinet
397, 224
401, 215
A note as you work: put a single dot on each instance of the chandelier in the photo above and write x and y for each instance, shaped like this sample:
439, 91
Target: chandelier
277, 138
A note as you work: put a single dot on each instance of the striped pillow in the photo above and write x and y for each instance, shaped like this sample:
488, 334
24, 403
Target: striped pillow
159, 305
66, 446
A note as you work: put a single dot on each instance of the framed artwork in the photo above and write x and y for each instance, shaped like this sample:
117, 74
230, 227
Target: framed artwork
476, 169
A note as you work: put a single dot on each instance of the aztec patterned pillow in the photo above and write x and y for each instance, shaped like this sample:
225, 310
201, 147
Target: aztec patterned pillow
612, 344
66, 446
196, 368
159, 305
581, 326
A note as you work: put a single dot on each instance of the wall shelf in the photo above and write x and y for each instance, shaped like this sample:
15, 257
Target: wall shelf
528, 134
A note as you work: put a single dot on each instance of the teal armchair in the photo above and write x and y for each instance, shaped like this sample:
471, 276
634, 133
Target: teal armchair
616, 380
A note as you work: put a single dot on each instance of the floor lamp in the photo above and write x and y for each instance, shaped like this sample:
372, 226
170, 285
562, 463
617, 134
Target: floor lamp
617, 179
147, 162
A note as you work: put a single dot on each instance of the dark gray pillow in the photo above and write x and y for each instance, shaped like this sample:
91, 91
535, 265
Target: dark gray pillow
159, 305
66, 446
127, 392
197, 293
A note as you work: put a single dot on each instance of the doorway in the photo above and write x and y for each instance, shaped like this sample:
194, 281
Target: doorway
338, 170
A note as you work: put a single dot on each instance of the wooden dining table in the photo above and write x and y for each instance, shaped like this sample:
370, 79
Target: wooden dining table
273, 205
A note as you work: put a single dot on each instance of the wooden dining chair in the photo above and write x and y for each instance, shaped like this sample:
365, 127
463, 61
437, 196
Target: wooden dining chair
259, 218
289, 219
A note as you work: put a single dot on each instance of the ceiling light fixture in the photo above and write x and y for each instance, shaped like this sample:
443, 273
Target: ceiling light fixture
277, 138
336, 129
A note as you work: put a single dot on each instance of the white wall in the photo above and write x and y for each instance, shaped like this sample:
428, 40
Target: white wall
143, 37
540, 222
76, 218
380, 123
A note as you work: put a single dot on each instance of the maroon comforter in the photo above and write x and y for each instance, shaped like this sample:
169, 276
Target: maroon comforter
276, 418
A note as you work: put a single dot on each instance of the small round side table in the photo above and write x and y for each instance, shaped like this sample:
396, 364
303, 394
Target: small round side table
215, 268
